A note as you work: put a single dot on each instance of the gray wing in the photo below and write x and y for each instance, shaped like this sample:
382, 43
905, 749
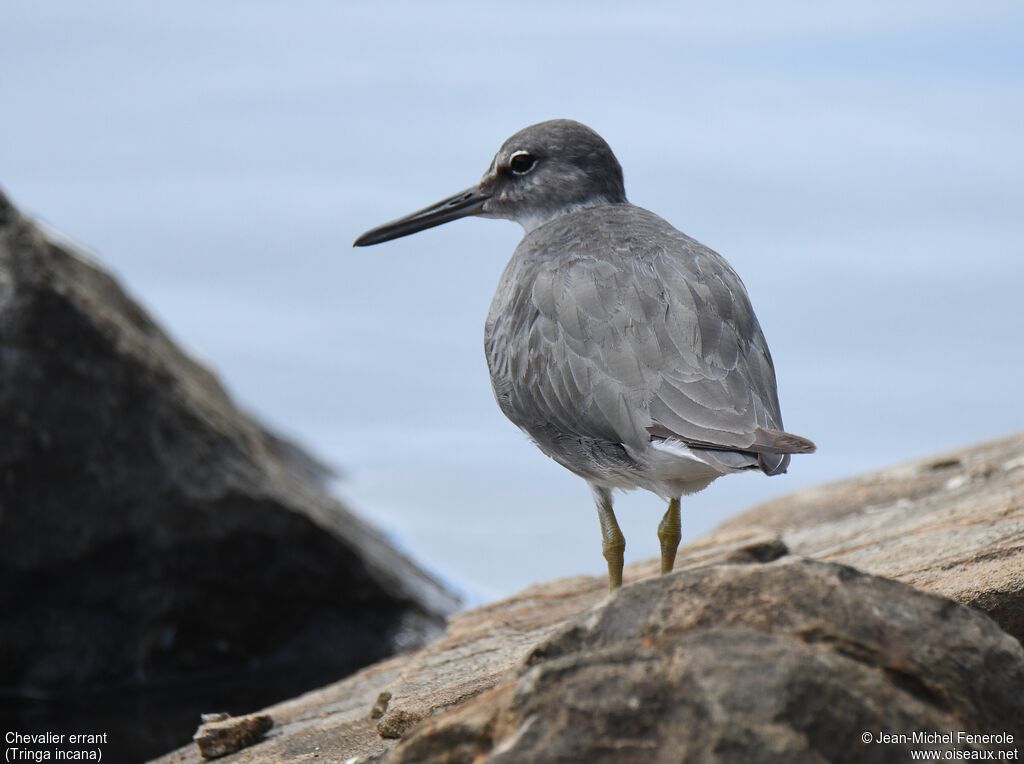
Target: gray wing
651, 334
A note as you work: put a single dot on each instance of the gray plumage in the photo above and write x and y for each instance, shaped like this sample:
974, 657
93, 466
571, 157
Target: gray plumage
608, 322
628, 352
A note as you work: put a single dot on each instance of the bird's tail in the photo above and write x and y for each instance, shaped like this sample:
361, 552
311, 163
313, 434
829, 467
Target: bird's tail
778, 442
771, 447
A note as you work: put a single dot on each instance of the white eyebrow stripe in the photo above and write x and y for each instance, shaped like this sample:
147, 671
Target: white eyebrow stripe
521, 153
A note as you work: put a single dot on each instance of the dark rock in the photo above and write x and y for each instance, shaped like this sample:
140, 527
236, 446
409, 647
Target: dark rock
760, 551
155, 537
782, 662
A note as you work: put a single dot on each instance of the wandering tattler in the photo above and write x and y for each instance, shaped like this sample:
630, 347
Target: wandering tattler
626, 350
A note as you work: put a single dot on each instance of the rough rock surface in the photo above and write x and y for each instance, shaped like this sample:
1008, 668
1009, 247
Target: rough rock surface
780, 662
152, 535
474, 686
951, 523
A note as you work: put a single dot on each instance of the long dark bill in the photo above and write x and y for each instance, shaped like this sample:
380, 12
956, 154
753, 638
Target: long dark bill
462, 204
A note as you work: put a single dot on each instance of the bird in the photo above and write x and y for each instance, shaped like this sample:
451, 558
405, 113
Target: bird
626, 350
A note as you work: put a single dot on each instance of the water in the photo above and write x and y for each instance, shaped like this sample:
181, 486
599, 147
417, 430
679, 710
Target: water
860, 167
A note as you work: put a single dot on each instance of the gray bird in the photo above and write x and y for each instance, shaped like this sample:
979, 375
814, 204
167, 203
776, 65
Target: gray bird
626, 350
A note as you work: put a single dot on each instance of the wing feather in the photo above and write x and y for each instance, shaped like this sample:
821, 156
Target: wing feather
631, 327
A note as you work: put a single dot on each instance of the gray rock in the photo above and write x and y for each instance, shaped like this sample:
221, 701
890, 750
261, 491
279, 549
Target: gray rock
152, 535
789, 661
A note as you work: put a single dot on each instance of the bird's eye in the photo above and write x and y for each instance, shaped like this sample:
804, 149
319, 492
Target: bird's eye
521, 162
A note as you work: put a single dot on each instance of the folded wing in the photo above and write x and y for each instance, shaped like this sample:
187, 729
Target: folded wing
648, 335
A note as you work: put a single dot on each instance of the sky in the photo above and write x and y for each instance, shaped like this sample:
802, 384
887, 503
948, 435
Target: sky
859, 164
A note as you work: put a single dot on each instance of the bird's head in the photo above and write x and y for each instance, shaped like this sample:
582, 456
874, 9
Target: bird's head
539, 173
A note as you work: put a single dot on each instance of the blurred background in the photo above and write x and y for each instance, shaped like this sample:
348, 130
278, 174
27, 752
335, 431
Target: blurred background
859, 164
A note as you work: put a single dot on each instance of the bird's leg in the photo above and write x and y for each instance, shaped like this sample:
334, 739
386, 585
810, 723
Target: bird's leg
613, 543
669, 534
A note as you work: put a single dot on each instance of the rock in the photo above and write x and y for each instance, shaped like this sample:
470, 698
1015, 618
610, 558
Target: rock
539, 656
781, 662
226, 734
380, 706
397, 723
152, 535
951, 523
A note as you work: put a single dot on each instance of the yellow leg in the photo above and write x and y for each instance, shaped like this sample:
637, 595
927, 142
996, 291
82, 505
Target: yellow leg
669, 534
613, 543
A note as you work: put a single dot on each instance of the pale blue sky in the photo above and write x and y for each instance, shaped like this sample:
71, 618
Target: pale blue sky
860, 165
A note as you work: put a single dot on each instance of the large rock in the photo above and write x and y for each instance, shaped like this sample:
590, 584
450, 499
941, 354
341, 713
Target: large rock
818, 650
152, 535
782, 662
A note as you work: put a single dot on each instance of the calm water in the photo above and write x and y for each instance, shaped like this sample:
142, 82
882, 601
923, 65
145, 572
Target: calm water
861, 167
